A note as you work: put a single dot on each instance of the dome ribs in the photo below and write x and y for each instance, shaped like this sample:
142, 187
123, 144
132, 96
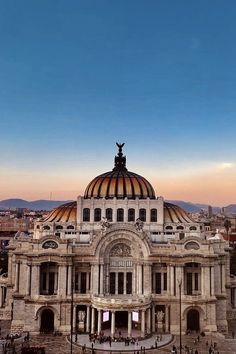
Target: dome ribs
119, 184
175, 214
124, 185
100, 186
64, 213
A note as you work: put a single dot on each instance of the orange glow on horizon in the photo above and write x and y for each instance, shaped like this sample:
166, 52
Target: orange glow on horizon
214, 188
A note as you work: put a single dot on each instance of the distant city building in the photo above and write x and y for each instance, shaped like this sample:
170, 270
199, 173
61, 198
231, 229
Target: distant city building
209, 211
126, 255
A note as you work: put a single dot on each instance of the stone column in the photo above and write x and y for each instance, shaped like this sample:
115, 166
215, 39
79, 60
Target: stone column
203, 290
153, 319
103, 214
154, 282
129, 324
107, 279
143, 324
87, 283
1, 296
147, 281
112, 324
101, 278
207, 281
28, 288
74, 318
79, 282
149, 320
35, 280
116, 283
139, 279
223, 278
95, 276
69, 275
126, 210
166, 318
99, 321
88, 319
213, 281
10, 267
148, 216
179, 278
93, 321
172, 280
134, 279
62, 283
17, 277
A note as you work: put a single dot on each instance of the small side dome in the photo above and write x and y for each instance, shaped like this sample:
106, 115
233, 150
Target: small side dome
119, 183
174, 214
64, 213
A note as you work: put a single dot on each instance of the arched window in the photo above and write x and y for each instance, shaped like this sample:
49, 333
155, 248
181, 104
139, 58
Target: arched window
192, 228
120, 214
169, 227
46, 227
131, 214
179, 228
70, 227
153, 215
142, 214
109, 214
97, 214
59, 227
86, 214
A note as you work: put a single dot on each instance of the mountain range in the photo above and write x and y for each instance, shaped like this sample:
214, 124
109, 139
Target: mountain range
51, 204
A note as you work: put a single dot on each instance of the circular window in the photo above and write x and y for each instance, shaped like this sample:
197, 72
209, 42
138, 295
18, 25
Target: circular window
192, 246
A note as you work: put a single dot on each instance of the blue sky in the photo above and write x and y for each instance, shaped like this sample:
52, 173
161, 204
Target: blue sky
77, 76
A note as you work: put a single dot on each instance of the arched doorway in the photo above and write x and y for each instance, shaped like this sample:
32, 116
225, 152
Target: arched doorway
47, 321
121, 319
193, 320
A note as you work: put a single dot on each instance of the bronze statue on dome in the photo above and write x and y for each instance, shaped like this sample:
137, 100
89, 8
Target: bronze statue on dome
120, 146
120, 160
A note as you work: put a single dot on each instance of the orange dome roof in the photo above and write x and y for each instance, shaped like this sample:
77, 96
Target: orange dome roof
64, 213
174, 214
119, 183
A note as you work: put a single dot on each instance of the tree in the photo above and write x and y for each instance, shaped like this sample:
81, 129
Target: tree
227, 225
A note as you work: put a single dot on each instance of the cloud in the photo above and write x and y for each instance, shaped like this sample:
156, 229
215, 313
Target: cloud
226, 165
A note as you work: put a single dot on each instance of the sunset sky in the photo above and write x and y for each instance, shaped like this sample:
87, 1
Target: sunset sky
76, 76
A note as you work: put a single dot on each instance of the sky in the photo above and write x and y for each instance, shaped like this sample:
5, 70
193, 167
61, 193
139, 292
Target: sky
77, 76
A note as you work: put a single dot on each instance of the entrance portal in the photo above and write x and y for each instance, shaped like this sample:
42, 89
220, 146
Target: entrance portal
121, 319
47, 321
193, 320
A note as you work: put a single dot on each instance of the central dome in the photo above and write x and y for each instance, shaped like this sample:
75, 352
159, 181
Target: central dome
119, 183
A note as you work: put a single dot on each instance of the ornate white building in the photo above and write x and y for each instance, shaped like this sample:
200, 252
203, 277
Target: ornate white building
117, 257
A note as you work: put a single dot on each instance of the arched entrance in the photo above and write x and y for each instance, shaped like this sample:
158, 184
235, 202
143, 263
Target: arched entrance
121, 319
47, 321
193, 320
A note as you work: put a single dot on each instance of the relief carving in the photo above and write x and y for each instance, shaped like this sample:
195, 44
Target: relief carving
120, 250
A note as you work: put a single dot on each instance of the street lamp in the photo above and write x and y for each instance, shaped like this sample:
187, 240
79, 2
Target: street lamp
180, 311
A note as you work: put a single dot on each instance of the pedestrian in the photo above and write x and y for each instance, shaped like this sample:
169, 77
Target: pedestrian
233, 334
